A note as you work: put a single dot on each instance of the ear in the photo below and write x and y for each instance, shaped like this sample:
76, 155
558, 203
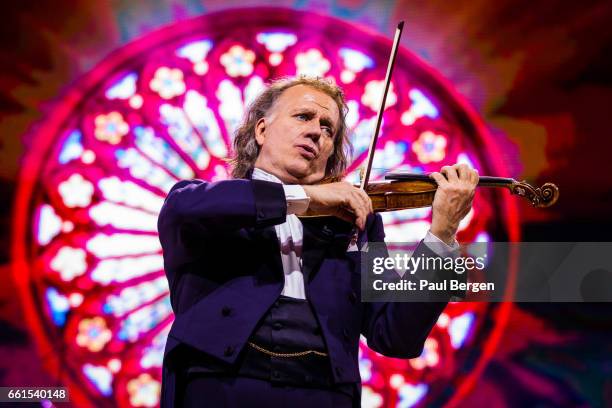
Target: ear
260, 129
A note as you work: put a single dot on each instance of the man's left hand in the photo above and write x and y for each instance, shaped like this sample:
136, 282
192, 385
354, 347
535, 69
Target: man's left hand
453, 199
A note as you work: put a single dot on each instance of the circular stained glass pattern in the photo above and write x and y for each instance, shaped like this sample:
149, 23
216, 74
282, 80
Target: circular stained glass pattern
164, 108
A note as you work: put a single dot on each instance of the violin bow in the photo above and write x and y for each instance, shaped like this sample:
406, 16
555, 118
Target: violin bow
366, 175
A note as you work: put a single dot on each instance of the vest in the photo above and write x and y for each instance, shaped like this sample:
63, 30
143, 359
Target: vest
286, 347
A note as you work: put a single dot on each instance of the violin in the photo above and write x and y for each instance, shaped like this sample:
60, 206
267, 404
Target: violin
402, 191
408, 190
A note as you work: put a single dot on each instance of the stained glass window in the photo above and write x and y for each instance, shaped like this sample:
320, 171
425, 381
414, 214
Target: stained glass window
164, 108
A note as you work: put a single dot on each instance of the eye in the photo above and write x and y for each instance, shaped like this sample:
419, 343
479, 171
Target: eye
328, 130
302, 116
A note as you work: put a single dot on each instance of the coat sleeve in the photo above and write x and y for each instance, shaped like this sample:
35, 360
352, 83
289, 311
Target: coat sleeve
399, 329
195, 210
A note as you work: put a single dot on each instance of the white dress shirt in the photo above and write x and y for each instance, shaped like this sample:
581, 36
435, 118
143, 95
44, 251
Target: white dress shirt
291, 234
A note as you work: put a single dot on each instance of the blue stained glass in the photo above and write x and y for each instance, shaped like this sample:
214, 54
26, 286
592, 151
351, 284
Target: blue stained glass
124, 88
72, 148
59, 306
100, 377
160, 152
410, 395
276, 42
195, 51
422, 104
355, 60
459, 329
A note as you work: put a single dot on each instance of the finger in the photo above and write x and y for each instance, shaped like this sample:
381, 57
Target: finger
467, 211
368, 201
362, 200
439, 178
475, 178
365, 200
463, 171
360, 223
360, 211
356, 217
450, 173
361, 215
369, 206
356, 195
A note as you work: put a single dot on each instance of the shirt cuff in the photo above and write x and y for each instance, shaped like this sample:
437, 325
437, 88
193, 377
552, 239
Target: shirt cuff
297, 200
440, 247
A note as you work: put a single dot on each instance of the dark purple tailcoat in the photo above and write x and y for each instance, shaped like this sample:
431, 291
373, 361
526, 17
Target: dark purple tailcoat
222, 260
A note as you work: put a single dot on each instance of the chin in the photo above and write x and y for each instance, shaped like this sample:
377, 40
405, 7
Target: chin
305, 173
313, 177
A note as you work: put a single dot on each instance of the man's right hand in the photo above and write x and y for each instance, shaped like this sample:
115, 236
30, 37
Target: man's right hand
340, 199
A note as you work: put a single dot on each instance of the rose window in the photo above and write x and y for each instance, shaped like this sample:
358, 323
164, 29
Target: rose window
164, 108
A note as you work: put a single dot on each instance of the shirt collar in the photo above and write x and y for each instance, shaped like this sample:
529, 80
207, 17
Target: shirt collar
259, 174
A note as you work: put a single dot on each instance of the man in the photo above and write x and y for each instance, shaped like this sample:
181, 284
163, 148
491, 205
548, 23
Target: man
267, 306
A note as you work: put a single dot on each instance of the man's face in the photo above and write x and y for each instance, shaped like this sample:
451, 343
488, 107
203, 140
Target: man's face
296, 138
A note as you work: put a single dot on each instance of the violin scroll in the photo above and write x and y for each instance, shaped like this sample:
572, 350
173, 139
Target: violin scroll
540, 197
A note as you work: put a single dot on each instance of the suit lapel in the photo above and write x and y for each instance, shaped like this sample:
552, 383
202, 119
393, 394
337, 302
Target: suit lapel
314, 246
322, 235
266, 241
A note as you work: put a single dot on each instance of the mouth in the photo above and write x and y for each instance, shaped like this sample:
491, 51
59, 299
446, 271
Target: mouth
308, 152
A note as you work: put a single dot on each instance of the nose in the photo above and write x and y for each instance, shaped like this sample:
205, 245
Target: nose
314, 131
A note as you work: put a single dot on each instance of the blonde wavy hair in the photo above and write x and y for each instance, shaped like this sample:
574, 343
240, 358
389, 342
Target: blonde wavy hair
246, 149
